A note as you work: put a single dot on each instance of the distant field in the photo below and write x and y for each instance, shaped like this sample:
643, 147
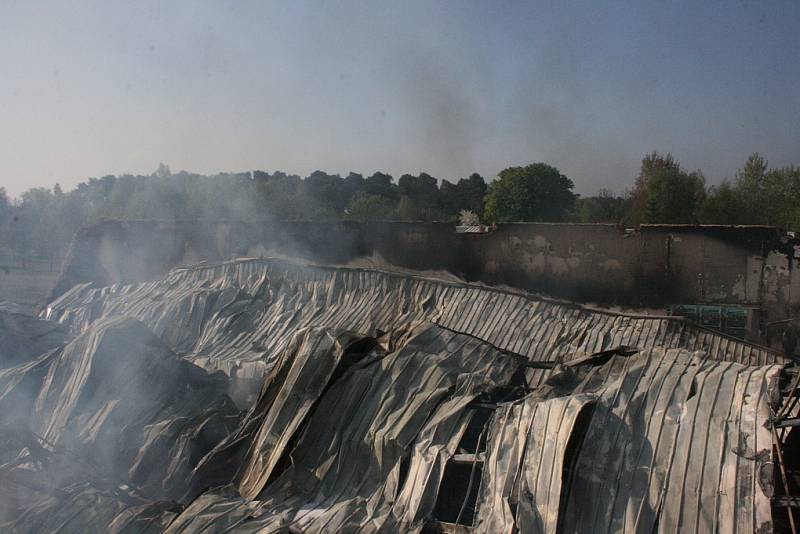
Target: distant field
27, 288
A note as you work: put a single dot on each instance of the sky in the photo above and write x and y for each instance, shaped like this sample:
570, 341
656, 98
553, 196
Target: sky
449, 88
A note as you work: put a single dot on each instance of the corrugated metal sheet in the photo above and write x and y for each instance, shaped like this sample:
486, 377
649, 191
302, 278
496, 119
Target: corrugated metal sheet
346, 473
628, 432
522, 480
675, 443
244, 312
472, 229
86, 422
370, 387
663, 408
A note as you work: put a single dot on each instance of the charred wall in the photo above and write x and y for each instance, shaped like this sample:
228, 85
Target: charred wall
584, 262
653, 266
126, 251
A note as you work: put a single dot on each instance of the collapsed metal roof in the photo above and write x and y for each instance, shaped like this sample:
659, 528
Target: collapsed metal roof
243, 312
387, 402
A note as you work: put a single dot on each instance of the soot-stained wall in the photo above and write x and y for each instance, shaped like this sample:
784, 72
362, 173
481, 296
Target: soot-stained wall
126, 251
586, 262
653, 266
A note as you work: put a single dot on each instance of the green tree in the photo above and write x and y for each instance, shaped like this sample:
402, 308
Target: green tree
281, 197
652, 164
665, 193
353, 183
751, 186
536, 192
779, 198
449, 199
758, 195
5, 206
423, 195
674, 197
472, 192
603, 208
407, 210
6, 219
467, 194
381, 184
327, 192
723, 205
369, 207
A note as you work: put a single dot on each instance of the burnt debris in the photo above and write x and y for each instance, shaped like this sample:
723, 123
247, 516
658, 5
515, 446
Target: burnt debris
371, 401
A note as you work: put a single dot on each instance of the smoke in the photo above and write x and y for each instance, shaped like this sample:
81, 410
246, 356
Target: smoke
444, 125
113, 408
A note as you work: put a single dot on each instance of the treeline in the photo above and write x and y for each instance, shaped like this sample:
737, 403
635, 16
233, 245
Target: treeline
42, 221
666, 193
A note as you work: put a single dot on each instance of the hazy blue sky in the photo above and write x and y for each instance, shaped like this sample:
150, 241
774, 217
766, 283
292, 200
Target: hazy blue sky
94, 88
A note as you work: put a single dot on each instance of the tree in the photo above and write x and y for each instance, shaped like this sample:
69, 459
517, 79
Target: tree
467, 194
327, 193
778, 200
6, 217
665, 193
537, 192
406, 210
381, 184
472, 192
368, 207
162, 171
422, 194
353, 183
280, 196
758, 195
652, 164
723, 205
603, 208
751, 188
5, 205
674, 196
449, 198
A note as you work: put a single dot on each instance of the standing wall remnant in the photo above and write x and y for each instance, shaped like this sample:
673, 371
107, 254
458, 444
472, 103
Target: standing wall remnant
653, 266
